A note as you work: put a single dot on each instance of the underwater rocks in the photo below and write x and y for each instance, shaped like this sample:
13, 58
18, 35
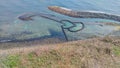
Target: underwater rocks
83, 14
26, 17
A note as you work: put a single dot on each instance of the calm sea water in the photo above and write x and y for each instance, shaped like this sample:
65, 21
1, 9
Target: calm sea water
12, 29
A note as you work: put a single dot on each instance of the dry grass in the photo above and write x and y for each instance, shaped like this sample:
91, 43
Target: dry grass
91, 53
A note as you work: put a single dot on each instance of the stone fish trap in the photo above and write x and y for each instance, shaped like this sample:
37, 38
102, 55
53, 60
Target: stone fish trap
65, 27
67, 24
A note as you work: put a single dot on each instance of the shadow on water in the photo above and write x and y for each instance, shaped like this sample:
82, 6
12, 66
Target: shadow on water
53, 34
53, 38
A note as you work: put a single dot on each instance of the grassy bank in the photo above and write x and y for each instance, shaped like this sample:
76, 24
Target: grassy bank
91, 53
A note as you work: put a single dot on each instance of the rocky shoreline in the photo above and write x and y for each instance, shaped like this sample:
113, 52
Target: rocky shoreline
84, 14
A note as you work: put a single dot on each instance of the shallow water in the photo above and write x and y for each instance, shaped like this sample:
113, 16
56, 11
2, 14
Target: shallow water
11, 28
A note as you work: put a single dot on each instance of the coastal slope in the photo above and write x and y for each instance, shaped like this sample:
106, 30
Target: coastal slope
90, 53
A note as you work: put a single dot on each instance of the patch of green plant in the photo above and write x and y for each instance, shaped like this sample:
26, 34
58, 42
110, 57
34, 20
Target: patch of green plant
116, 50
45, 60
31, 56
12, 61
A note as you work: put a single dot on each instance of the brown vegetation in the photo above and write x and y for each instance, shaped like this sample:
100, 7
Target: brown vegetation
91, 53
